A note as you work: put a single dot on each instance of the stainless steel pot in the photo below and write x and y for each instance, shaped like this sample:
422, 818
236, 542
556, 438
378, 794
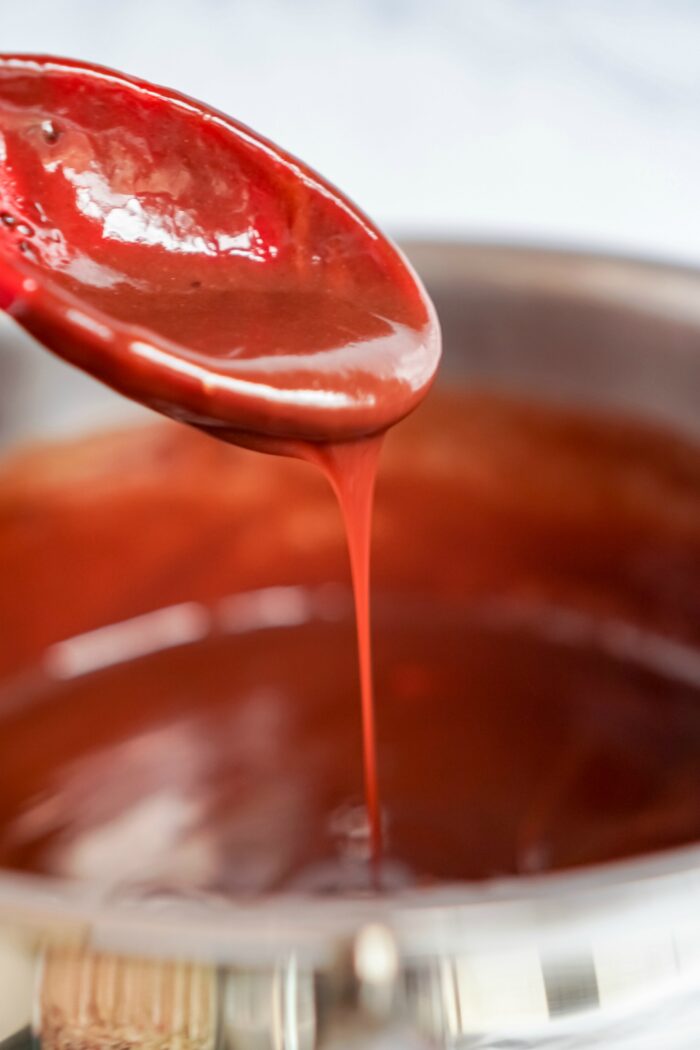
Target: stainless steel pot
608, 957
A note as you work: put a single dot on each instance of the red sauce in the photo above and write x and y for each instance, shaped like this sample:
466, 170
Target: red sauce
189, 263
536, 585
199, 269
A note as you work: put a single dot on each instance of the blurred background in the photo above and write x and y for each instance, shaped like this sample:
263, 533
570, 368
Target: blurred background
558, 120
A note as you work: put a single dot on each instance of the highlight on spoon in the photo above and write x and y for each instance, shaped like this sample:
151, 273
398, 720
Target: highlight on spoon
196, 267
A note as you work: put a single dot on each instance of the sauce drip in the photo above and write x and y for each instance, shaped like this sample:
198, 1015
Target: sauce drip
352, 471
199, 269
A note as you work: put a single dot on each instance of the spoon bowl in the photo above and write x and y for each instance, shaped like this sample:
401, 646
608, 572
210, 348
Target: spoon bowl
196, 267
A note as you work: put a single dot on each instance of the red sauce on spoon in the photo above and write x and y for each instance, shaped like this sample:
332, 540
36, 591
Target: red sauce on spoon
194, 266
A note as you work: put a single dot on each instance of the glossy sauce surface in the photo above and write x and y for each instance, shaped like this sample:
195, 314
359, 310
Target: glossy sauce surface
196, 267
536, 649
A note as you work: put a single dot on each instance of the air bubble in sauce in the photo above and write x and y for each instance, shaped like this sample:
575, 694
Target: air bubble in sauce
50, 132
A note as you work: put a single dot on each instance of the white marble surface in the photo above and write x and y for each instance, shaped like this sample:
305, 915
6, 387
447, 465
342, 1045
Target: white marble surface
565, 120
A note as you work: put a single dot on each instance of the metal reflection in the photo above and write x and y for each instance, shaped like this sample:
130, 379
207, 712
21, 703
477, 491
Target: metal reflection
627, 990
